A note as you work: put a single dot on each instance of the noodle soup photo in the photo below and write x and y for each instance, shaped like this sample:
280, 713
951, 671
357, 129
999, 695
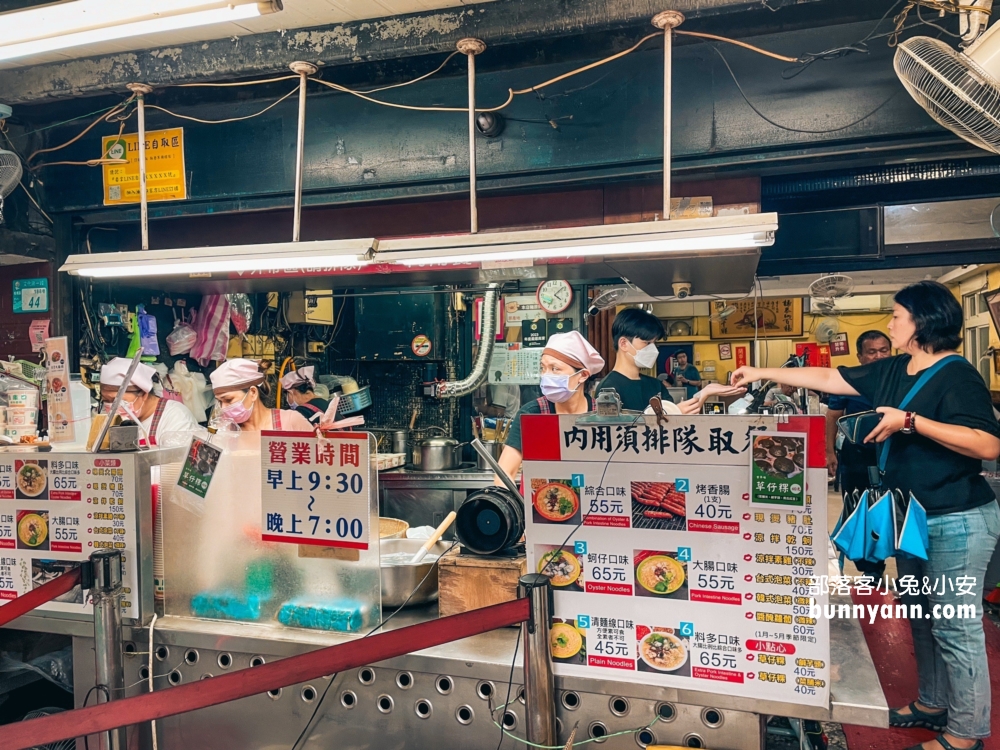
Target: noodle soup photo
554, 501
33, 529
31, 479
662, 650
568, 642
660, 575
563, 568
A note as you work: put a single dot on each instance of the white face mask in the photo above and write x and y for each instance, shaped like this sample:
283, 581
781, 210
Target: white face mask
646, 357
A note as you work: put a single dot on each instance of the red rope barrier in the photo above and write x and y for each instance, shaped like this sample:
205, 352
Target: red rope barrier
36, 597
257, 680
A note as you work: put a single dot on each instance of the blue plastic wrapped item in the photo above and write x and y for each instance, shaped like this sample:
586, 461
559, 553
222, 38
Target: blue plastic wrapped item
229, 605
343, 615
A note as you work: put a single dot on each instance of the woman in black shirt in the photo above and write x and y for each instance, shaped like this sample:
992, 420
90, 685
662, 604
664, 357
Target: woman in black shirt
936, 454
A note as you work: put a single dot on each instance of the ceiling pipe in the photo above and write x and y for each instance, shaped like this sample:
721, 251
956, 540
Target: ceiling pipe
470, 47
303, 70
140, 90
668, 20
489, 327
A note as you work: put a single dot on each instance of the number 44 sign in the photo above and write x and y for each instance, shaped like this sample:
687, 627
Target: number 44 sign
316, 490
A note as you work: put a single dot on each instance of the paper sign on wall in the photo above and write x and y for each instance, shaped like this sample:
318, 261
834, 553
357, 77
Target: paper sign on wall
165, 176
38, 331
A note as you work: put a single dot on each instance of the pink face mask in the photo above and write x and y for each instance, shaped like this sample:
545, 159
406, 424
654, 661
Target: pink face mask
238, 412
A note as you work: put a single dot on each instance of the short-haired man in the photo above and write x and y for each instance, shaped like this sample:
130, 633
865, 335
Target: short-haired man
634, 334
850, 464
687, 374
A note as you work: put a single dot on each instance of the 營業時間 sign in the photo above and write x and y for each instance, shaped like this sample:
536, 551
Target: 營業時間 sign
165, 177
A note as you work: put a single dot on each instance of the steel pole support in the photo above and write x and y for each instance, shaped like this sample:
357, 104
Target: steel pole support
303, 70
668, 20
539, 683
140, 90
471, 47
107, 594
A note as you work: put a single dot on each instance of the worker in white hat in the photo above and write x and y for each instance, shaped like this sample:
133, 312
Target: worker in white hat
300, 387
159, 417
568, 362
239, 385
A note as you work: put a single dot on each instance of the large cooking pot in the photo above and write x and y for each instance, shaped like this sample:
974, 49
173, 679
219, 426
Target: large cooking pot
440, 454
399, 578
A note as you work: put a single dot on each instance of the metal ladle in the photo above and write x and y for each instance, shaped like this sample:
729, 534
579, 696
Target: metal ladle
483, 451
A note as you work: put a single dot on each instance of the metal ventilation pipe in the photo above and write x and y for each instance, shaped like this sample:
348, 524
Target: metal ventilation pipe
459, 388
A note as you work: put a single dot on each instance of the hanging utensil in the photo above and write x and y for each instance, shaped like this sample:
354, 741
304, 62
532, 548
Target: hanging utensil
438, 533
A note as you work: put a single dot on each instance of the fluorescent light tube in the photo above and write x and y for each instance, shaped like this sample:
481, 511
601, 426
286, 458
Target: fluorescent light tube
82, 22
744, 241
221, 266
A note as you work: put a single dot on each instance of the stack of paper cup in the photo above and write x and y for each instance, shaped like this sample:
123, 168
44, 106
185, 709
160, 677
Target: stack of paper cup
169, 474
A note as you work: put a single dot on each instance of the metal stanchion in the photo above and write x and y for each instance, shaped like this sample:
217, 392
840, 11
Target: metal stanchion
141, 90
107, 594
668, 20
539, 683
303, 70
471, 47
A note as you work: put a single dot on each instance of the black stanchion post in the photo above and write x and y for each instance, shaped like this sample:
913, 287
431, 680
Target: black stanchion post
539, 683
110, 672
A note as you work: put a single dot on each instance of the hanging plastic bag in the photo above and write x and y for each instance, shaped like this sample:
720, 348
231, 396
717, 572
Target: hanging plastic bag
192, 387
135, 342
212, 326
183, 338
147, 333
241, 312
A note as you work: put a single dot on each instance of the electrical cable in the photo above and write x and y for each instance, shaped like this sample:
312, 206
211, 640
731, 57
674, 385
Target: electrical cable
438, 69
789, 128
727, 40
230, 119
103, 118
152, 724
229, 85
381, 623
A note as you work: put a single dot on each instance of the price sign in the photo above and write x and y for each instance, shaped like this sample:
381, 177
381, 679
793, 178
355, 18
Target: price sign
316, 490
31, 295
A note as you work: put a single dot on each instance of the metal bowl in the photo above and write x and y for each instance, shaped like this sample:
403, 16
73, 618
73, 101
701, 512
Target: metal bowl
399, 580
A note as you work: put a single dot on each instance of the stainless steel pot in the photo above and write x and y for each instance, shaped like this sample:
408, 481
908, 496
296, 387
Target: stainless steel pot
398, 580
495, 449
400, 441
440, 454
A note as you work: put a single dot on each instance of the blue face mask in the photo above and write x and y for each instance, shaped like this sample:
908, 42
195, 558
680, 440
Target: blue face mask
556, 388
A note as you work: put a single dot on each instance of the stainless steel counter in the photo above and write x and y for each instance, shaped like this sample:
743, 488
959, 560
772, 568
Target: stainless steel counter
856, 695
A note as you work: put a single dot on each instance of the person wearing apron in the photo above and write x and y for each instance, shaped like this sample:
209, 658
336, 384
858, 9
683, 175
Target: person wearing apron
300, 387
160, 418
239, 386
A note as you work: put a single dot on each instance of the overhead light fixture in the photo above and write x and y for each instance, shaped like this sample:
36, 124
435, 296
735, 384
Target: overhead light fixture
721, 234
81, 22
200, 261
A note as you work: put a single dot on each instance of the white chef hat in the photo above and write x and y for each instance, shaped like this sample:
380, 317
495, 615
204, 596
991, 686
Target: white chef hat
113, 373
236, 375
573, 349
304, 375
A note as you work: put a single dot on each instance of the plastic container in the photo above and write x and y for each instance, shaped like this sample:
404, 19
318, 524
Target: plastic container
21, 417
18, 432
26, 397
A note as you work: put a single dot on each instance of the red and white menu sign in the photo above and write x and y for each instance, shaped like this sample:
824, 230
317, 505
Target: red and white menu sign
58, 400
663, 572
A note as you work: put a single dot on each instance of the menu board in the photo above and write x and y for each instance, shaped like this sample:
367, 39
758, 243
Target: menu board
663, 571
514, 364
316, 490
56, 511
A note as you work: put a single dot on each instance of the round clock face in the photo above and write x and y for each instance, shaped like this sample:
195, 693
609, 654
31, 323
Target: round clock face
555, 296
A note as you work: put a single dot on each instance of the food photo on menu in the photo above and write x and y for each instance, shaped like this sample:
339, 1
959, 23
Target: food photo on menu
662, 649
33, 529
568, 642
658, 505
31, 479
554, 501
43, 571
561, 565
660, 575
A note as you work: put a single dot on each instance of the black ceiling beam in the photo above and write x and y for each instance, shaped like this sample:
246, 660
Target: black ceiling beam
500, 22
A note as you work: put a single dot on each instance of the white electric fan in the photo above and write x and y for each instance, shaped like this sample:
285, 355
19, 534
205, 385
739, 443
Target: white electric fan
825, 290
961, 90
10, 175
